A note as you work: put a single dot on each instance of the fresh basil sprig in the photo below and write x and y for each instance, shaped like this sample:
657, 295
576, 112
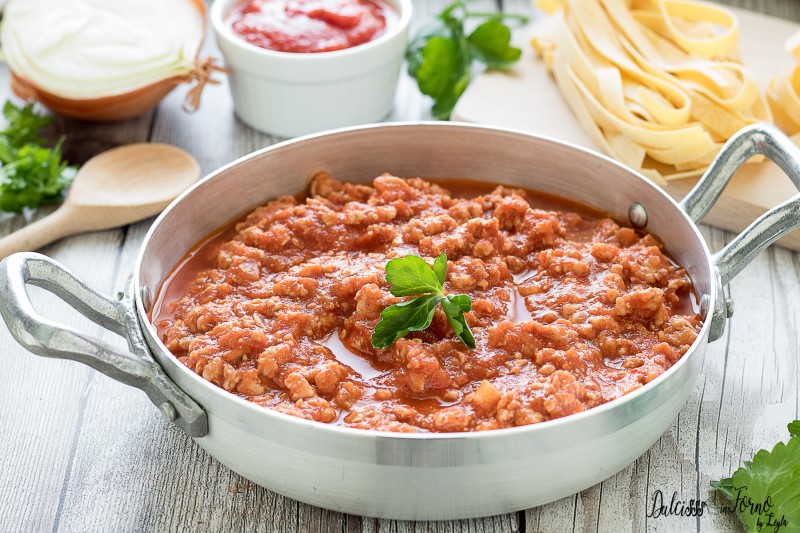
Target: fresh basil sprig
412, 276
441, 57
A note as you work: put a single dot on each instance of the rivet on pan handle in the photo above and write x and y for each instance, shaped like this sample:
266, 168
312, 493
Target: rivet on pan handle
753, 140
49, 339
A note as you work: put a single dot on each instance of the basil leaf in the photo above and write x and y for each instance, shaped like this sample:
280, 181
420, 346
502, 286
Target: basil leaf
440, 268
491, 43
454, 308
794, 429
399, 320
410, 276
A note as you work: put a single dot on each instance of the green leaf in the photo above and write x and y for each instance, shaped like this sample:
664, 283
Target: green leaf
440, 268
794, 429
414, 51
454, 308
442, 65
724, 485
443, 107
399, 320
442, 69
24, 124
31, 175
447, 13
462, 301
410, 276
771, 482
440, 57
491, 43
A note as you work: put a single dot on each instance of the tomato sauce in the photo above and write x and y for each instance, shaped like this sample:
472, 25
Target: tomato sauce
310, 26
569, 309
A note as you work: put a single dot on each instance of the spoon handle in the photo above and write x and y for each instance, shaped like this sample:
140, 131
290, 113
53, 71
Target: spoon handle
38, 234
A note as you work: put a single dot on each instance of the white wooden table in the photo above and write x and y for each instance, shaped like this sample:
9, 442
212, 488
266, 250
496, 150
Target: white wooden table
81, 452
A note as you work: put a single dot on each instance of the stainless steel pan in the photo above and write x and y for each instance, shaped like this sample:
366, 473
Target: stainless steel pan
425, 476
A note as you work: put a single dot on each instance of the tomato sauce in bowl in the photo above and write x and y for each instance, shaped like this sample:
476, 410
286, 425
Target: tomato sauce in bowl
310, 26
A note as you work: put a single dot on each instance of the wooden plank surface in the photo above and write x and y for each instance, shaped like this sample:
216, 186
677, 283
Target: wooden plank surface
84, 453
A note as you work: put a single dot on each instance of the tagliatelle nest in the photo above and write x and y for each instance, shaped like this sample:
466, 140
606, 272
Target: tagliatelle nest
656, 84
783, 93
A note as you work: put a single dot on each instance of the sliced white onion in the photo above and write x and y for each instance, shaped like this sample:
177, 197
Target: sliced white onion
84, 49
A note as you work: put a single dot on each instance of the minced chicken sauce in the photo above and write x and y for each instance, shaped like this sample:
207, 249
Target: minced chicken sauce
569, 309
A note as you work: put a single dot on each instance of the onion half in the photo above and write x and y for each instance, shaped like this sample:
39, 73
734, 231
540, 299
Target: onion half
101, 60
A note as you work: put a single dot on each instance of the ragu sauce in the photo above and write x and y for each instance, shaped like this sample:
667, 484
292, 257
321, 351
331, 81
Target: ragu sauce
570, 310
310, 26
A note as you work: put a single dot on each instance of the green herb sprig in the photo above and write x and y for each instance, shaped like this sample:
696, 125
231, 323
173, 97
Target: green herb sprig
441, 57
772, 482
31, 175
412, 276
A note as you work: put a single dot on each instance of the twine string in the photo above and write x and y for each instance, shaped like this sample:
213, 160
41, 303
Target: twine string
203, 75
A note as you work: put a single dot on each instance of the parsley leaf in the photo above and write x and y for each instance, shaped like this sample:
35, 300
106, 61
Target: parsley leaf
440, 269
767, 489
441, 74
441, 56
412, 276
400, 319
24, 124
454, 308
491, 43
31, 175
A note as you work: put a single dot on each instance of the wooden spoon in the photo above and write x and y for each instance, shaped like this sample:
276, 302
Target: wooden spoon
115, 188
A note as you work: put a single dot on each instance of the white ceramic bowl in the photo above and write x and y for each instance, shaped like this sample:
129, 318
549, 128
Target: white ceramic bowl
291, 94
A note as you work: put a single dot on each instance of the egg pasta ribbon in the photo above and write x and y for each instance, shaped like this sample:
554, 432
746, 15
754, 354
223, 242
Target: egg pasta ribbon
656, 84
783, 92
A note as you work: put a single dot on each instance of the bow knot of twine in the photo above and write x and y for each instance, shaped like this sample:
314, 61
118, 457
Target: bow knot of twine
202, 75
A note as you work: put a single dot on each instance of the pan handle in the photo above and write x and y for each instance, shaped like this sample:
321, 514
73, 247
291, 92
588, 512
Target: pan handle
758, 139
50, 339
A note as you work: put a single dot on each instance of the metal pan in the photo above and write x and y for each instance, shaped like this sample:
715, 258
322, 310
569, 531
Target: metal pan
402, 476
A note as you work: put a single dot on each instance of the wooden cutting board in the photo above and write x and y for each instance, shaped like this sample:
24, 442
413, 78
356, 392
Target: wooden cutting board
527, 98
